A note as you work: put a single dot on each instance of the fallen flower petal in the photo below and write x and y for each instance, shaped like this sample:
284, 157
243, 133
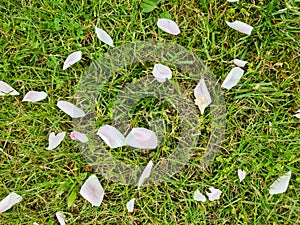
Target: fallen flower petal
111, 136
75, 135
233, 78
145, 174
240, 26
34, 96
72, 59
130, 205
241, 174
198, 196
297, 114
70, 109
141, 138
168, 26
281, 184
239, 62
8, 202
61, 218
104, 36
6, 89
202, 96
232, 0
92, 191
214, 194
55, 140
161, 72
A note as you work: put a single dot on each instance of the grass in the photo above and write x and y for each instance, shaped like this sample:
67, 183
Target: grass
262, 136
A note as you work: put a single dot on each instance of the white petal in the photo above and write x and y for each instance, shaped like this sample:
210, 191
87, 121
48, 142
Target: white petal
92, 191
214, 195
233, 78
240, 26
198, 196
281, 184
75, 135
9, 201
145, 174
241, 174
130, 205
141, 138
72, 59
202, 96
232, 0
297, 114
239, 62
35, 223
161, 72
111, 136
70, 109
6, 89
103, 36
61, 218
55, 140
168, 26
34, 96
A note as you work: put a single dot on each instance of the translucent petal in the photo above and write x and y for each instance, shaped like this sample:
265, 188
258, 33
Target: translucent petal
34, 96
145, 174
6, 89
130, 205
241, 174
72, 59
161, 72
92, 191
70, 109
240, 26
281, 184
104, 37
202, 96
111, 136
233, 78
214, 194
168, 26
8, 202
55, 140
141, 138
198, 196
239, 62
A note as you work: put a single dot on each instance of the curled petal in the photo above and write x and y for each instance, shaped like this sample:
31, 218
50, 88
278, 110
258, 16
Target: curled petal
55, 140
281, 184
241, 174
214, 194
240, 26
233, 78
161, 72
6, 89
198, 196
239, 62
8, 202
61, 218
92, 191
130, 205
72, 59
141, 138
70, 109
168, 26
103, 36
75, 135
202, 96
111, 136
34, 96
145, 174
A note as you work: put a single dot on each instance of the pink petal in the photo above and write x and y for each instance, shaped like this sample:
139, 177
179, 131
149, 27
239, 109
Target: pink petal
111, 136
103, 36
72, 59
34, 96
130, 205
240, 26
241, 174
202, 96
92, 191
61, 218
75, 135
161, 72
232, 78
55, 140
145, 174
9, 201
168, 26
214, 194
6, 89
70, 109
141, 138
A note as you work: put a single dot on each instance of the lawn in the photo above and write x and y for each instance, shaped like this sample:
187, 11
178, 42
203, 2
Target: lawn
262, 135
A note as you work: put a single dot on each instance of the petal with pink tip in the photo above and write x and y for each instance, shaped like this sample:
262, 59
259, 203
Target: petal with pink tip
6, 89
111, 136
72, 59
92, 191
75, 135
70, 109
34, 96
168, 26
